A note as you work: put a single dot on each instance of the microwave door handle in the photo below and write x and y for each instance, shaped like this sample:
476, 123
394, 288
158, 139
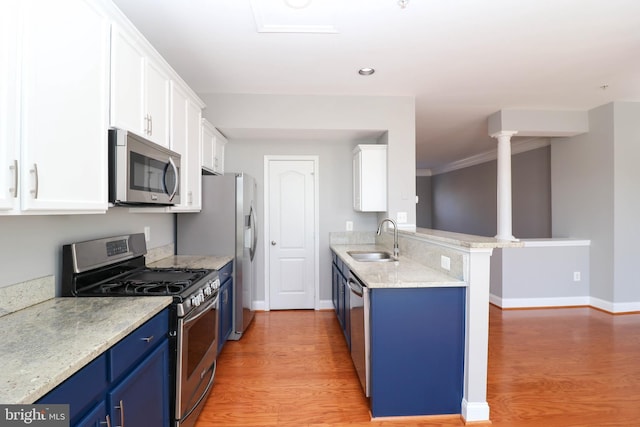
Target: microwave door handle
175, 171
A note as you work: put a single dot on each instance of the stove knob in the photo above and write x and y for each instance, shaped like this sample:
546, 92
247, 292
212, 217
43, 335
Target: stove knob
215, 284
195, 301
207, 290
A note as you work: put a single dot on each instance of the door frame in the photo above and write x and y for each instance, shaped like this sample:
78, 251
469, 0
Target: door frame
316, 213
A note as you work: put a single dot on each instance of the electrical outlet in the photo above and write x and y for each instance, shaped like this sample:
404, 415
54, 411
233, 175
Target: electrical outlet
402, 217
576, 276
147, 234
445, 262
349, 226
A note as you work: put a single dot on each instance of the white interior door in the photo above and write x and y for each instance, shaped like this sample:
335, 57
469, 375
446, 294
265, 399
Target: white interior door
291, 234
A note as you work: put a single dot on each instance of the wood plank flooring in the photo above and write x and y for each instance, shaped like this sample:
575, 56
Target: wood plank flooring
547, 368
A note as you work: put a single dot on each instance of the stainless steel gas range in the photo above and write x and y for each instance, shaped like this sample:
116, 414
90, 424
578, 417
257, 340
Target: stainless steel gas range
115, 266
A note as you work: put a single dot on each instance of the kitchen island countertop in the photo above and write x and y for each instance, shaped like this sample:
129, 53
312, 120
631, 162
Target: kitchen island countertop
47, 343
404, 273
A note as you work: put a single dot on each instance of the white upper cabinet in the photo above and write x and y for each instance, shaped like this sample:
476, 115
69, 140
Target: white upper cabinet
370, 178
9, 144
213, 144
140, 88
186, 113
60, 148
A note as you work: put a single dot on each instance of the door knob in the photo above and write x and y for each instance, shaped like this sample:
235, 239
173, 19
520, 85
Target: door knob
273, 243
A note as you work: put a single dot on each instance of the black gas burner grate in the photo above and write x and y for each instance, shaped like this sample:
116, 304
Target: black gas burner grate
133, 287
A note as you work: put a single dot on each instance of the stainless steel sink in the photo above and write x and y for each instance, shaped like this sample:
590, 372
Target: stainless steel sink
371, 256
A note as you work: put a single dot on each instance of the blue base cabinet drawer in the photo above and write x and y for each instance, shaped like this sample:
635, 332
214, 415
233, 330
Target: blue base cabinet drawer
137, 344
83, 390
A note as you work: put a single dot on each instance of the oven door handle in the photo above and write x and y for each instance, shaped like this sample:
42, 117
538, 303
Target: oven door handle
201, 311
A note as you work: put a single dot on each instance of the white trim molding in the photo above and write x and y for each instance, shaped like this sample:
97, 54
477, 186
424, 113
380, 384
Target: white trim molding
474, 411
517, 147
582, 301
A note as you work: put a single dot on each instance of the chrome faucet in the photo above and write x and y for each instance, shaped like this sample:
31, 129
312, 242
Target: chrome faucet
396, 249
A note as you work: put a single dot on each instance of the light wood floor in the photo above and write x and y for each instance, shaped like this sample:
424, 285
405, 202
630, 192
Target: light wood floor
547, 368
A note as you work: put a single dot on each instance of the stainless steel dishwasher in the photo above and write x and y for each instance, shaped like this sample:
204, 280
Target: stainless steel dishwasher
359, 316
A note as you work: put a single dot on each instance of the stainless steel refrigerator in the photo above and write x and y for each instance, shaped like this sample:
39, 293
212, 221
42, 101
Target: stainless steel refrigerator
226, 225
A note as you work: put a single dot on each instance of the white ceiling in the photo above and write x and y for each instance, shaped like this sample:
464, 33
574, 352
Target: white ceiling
462, 60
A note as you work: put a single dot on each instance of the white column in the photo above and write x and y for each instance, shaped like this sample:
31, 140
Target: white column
504, 184
474, 406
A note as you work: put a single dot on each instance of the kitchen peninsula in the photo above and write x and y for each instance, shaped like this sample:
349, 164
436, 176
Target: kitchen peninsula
435, 260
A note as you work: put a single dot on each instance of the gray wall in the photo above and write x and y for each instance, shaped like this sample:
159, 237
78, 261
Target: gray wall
423, 208
334, 169
299, 113
31, 244
595, 196
464, 200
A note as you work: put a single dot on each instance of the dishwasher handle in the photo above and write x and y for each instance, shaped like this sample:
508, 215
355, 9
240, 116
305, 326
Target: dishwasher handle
355, 287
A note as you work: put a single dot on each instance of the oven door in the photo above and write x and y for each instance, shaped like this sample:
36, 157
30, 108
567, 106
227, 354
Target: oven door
196, 364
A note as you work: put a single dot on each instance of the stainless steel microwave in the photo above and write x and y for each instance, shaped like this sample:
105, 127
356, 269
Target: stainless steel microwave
141, 172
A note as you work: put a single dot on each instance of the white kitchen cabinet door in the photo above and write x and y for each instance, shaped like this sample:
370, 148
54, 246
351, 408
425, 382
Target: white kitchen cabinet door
157, 83
9, 107
185, 139
370, 178
213, 143
127, 83
64, 107
140, 89
194, 165
208, 145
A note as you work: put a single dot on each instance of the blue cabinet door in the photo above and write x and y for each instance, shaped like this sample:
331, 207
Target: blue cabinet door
97, 417
142, 397
226, 313
417, 351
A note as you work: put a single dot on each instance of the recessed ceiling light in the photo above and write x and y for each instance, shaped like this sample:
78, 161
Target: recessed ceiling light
366, 71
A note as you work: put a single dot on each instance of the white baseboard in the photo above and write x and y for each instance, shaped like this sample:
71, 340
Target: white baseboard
326, 304
615, 307
474, 411
259, 305
620, 307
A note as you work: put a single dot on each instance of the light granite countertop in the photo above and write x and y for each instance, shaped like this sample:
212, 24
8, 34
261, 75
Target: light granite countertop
46, 343
462, 240
404, 273
193, 261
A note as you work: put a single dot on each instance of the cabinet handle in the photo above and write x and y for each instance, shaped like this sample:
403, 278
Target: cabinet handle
14, 189
107, 421
150, 124
147, 339
34, 171
121, 407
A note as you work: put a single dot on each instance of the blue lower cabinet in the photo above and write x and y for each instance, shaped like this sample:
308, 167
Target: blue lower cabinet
226, 313
340, 296
97, 417
135, 372
141, 398
82, 391
417, 351
225, 319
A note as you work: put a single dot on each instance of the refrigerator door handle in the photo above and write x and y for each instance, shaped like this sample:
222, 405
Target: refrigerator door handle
252, 225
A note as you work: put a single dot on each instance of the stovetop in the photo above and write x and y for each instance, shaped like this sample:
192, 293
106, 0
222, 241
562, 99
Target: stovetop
116, 267
151, 281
